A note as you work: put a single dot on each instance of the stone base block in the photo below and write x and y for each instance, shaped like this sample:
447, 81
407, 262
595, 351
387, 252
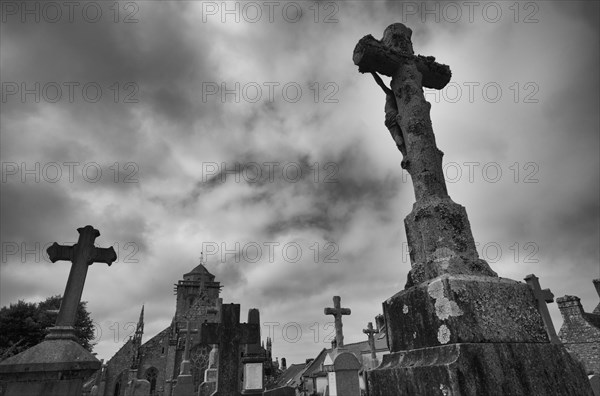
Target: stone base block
184, 386
462, 309
515, 369
54, 367
440, 240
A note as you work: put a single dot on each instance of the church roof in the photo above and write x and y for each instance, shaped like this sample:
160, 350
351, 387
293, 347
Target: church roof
200, 269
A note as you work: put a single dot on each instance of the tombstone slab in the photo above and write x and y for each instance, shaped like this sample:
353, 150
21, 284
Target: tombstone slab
343, 377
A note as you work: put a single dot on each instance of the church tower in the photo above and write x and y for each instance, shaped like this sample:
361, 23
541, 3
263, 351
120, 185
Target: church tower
196, 294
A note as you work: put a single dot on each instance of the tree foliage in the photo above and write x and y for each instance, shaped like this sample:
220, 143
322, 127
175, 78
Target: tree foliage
23, 325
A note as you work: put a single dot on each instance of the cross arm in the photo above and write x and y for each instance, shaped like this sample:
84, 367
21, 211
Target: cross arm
334, 311
103, 255
58, 252
372, 56
547, 295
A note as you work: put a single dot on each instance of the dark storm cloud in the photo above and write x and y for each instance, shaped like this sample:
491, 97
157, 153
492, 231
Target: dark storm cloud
33, 213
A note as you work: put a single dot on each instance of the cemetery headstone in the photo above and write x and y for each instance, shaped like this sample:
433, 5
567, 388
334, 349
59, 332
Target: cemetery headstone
58, 365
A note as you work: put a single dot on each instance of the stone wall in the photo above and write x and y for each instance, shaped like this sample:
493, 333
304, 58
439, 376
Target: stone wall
580, 332
119, 363
154, 354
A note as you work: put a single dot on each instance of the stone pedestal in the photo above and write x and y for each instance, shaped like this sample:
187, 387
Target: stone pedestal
466, 335
54, 367
185, 381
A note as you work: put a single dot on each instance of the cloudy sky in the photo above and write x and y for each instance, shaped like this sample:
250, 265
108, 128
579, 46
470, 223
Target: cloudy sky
246, 131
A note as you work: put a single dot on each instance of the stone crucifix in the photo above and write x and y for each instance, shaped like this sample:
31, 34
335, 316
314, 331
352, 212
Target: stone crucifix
82, 255
370, 332
542, 297
337, 311
438, 229
229, 334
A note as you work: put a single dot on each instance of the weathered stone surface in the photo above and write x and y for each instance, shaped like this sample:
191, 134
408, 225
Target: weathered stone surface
462, 308
371, 55
516, 369
440, 241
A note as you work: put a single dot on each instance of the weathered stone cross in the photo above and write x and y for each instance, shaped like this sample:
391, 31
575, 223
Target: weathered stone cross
185, 364
370, 332
229, 334
543, 296
337, 311
82, 254
438, 230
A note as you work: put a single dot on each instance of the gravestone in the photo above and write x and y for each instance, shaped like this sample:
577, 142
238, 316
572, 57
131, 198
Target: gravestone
253, 361
229, 334
185, 382
543, 297
137, 386
337, 312
370, 332
457, 328
58, 365
342, 367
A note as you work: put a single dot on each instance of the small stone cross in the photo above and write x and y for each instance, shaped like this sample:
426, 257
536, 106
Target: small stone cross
185, 364
337, 311
543, 296
82, 255
229, 334
370, 332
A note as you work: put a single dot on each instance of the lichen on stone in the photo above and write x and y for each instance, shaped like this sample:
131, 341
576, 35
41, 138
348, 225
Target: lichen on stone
443, 334
444, 308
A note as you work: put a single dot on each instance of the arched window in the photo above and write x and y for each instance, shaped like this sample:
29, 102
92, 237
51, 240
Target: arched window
151, 375
199, 359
